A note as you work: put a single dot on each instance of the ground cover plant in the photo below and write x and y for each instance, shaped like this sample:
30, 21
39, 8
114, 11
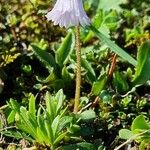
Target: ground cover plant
75, 83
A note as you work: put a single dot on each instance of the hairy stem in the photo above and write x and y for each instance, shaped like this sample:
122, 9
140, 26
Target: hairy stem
78, 71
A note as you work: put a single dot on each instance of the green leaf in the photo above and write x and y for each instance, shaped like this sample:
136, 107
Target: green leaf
87, 115
60, 137
99, 84
27, 122
74, 128
115, 48
97, 21
49, 105
24, 127
139, 123
45, 57
62, 54
64, 121
113, 4
31, 119
41, 125
60, 97
90, 71
17, 135
11, 117
120, 82
42, 137
142, 70
49, 79
125, 134
105, 97
49, 131
55, 125
32, 109
14, 105
66, 76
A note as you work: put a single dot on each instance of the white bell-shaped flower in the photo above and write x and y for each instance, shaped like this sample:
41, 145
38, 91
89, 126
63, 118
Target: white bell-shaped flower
68, 13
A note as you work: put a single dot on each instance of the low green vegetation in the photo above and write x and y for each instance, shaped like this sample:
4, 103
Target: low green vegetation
38, 70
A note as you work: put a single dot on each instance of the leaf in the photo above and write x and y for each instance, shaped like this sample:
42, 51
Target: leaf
60, 137
99, 84
120, 82
74, 128
87, 115
64, 121
17, 135
139, 123
45, 57
49, 131
115, 48
32, 119
142, 70
125, 134
111, 20
42, 137
55, 125
30, 126
32, 109
104, 30
60, 97
14, 105
97, 21
106, 97
41, 125
26, 129
66, 47
90, 71
49, 105
66, 76
113, 4
11, 117
49, 79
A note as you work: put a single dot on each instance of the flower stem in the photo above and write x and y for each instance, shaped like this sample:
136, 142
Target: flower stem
78, 71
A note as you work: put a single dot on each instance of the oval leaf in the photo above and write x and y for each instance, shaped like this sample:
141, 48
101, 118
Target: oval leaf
125, 134
139, 123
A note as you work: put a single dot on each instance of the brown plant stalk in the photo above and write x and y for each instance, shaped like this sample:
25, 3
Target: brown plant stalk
78, 71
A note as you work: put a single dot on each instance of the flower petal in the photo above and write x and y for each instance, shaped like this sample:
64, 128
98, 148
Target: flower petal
68, 13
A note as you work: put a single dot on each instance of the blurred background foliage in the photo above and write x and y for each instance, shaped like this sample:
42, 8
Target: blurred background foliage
36, 56
22, 23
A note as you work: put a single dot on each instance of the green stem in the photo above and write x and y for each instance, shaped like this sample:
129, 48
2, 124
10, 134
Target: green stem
78, 71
